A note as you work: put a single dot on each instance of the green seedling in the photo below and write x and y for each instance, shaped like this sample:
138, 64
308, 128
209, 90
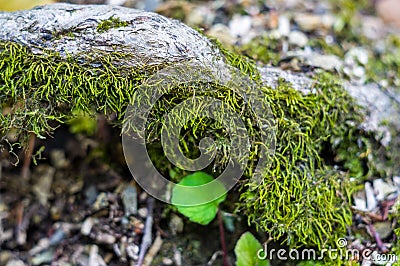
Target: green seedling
204, 213
247, 249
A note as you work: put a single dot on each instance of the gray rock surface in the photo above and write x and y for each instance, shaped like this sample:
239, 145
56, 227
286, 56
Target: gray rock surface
72, 29
383, 110
382, 106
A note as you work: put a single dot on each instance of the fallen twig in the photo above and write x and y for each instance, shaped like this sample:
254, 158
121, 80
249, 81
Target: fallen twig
22, 221
378, 240
147, 231
385, 207
177, 256
214, 257
28, 156
153, 251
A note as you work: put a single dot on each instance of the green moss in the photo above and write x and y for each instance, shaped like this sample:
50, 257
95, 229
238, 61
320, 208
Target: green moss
349, 23
302, 200
395, 215
246, 65
110, 23
82, 122
263, 48
385, 65
38, 89
65, 32
331, 48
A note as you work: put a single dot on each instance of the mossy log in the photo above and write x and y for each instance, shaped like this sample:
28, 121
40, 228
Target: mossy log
58, 58
148, 39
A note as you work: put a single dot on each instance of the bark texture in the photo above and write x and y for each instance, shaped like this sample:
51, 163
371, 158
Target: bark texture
148, 38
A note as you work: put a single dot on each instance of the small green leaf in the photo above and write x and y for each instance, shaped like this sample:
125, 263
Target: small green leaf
246, 251
204, 213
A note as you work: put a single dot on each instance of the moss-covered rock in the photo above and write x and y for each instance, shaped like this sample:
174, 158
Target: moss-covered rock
300, 196
304, 197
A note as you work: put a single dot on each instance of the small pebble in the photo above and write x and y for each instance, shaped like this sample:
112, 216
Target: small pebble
359, 72
359, 54
91, 194
42, 244
15, 262
43, 258
57, 237
384, 83
240, 25
102, 238
308, 22
284, 25
95, 258
201, 15
167, 261
57, 158
115, 2
222, 33
360, 204
137, 223
87, 226
143, 196
176, 224
143, 212
129, 200
369, 194
373, 27
298, 38
327, 62
44, 175
5, 256
328, 20
389, 11
132, 251
383, 189
101, 201
117, 250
